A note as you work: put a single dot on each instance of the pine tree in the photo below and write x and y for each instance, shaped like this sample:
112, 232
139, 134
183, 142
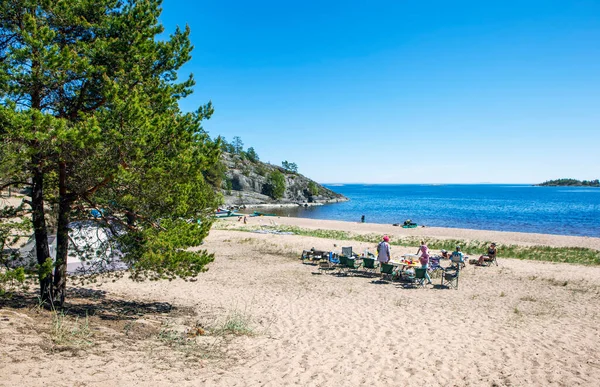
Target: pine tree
90, 120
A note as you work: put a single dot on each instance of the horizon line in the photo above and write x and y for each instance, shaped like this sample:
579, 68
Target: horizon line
478, 183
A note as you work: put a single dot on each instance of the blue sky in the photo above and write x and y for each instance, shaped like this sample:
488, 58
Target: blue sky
402, 91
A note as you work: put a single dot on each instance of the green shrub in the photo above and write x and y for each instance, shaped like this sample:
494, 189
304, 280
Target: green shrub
252, 155
275, 186
228, 186
261, 170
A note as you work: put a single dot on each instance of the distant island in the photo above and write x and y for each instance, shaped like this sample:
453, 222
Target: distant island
570, 183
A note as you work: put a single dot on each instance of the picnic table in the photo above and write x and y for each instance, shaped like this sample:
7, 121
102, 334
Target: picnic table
408, 260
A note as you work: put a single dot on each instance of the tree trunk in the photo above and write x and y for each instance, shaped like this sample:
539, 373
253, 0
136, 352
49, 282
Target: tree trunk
42, 250
62, 237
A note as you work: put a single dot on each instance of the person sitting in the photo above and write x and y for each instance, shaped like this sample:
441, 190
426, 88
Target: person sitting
490, 256
458, 258
445, 254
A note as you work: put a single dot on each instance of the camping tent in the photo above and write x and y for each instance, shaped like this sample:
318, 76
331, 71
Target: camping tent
92, 249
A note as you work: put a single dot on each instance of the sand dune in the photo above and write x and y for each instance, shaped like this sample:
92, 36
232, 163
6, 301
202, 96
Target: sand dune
521, 323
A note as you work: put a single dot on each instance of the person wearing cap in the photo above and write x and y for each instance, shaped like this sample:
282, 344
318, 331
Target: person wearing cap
491, 254
383, 250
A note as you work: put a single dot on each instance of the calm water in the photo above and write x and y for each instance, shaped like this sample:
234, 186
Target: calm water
523, 208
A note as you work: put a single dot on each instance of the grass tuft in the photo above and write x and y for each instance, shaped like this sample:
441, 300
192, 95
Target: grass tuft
237, 323
76, 334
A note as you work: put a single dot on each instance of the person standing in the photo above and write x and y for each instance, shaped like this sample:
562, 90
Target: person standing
362, 219
424, 259
383, 250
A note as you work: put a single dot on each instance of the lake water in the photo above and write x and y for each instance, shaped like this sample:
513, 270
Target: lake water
521, 208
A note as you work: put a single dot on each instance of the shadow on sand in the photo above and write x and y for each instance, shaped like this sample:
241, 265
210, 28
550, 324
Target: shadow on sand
82, 302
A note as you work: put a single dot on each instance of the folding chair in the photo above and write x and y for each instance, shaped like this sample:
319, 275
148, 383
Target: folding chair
386, 270
305, 256
457, 260
352, 265
450, 278
420, 276
435, 269
347, 251
369, 265
330, 263
343, 264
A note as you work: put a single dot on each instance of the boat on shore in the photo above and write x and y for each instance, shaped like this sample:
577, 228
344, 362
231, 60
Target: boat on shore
222, 213
257, 213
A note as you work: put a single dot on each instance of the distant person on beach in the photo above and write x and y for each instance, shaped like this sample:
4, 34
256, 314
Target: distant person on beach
491, 254
458, 257
445, 254
383, 250
424, 259
362, 219
245, 220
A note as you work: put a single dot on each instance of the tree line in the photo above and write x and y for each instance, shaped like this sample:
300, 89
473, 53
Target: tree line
236, 147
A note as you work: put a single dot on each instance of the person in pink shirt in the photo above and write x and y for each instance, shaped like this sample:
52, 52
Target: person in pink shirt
424, 259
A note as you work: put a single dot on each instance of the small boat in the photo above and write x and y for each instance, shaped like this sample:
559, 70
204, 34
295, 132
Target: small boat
256, 213
409, 224
221, 213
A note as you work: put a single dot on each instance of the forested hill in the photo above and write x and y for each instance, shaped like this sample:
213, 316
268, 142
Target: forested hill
570, 183
249, 181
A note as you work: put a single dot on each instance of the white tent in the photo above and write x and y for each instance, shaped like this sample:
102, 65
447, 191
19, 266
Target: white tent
92, 249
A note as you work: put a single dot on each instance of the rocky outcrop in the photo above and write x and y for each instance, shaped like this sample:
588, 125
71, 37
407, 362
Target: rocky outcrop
247, 184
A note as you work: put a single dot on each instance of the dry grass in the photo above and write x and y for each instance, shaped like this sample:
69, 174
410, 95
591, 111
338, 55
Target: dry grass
237, 322
69, 333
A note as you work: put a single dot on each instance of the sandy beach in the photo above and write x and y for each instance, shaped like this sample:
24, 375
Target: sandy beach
259, 317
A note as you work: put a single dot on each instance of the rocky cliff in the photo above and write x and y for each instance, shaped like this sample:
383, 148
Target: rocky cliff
250, 183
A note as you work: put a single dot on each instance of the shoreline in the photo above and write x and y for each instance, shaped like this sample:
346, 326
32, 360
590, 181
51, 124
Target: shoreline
502, 237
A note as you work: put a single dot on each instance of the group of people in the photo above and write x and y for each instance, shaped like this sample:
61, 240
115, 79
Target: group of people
384, 255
